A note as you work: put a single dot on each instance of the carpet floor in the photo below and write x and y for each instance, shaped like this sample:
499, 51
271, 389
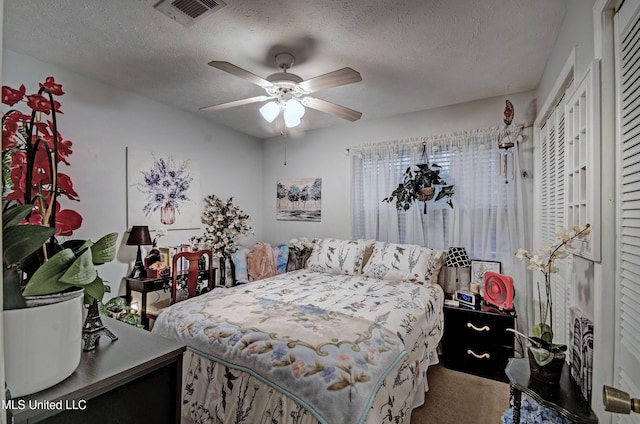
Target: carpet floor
458, 398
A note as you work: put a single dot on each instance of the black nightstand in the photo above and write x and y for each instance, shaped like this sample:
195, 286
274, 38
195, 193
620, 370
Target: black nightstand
476, 341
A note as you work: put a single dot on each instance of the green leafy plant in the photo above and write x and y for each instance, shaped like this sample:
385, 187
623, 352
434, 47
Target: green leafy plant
69, 265
413, 184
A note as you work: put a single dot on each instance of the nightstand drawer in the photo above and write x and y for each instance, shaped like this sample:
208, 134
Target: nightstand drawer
477, 341
478, 328
479, 361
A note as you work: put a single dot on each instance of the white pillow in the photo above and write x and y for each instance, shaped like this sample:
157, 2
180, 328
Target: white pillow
437, 262
409, 262
337, 256
239, 258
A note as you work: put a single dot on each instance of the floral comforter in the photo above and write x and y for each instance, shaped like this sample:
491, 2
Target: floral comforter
327, 341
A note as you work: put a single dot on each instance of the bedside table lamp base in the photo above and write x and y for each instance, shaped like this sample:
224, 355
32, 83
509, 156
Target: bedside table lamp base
94, 328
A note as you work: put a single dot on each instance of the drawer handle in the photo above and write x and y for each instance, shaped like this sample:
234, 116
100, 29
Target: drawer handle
479, 329
483, 356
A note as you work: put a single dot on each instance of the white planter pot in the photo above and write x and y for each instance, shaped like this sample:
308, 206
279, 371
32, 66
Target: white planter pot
42, 345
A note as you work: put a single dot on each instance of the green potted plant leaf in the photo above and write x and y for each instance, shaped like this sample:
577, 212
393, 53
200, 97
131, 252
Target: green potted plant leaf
44, 280
419, 185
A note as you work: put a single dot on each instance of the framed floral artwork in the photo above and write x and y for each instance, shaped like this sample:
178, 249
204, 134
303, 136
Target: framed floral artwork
478, 268
163, 190
299, 199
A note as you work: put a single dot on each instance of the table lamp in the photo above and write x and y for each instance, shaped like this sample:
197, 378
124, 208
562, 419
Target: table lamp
457, 267
139, 235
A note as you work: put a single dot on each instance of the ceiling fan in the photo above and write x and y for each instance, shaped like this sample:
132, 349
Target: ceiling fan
290, 93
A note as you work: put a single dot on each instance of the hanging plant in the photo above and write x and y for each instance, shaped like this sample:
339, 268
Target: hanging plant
419, 185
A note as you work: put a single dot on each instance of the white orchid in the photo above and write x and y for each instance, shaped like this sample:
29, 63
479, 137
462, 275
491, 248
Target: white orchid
544, 261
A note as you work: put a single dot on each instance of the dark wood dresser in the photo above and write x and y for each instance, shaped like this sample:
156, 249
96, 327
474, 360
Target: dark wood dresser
135, 379
476, 341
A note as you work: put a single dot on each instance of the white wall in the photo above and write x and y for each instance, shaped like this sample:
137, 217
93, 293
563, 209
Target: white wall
576, 31
321, 153
102, 120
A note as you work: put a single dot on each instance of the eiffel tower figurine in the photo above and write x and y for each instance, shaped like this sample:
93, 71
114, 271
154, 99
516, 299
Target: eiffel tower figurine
94, 328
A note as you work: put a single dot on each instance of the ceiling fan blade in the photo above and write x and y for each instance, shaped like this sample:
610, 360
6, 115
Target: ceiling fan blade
235, 103
239, 72
332, 108
342, 76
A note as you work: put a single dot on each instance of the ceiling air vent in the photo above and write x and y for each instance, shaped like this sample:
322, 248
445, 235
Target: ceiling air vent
188, 12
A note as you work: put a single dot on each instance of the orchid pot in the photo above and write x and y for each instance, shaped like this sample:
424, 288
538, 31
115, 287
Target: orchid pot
36, 265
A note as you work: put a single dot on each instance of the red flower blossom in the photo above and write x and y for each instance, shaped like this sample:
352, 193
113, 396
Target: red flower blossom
67, 221
19, 135
66, 186
11, 96
39, 103
8, 141
53, 86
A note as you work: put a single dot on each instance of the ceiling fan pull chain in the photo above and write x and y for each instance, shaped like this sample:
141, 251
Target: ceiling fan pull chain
285, 151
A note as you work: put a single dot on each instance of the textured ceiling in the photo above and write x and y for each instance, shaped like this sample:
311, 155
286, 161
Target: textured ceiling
412, 55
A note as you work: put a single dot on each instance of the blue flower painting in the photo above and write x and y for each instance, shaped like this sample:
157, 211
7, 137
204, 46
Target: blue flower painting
163, 190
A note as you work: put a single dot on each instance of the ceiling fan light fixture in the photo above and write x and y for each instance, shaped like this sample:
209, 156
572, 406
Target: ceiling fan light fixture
293, 111
291, 122
294, 108
269, 111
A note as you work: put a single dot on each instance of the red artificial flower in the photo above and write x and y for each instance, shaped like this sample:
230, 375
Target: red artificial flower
8, 131
66, 186
8, 141
64, 146
67, 221
53, 86
41, 136
40, 103
35, 218
64, 150
11, 96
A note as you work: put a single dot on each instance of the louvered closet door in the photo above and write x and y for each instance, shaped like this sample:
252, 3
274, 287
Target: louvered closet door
552, 211
627, 358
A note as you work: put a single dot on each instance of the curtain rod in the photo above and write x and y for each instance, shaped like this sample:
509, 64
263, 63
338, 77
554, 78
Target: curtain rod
425, 140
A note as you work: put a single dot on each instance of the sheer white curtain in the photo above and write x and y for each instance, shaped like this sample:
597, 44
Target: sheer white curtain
486, 218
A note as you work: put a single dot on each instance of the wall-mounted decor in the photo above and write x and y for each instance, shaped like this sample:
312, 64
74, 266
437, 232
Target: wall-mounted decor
478, 268
299, 199
163, 190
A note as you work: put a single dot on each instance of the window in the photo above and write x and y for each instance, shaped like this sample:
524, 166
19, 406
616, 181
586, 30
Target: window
484, 218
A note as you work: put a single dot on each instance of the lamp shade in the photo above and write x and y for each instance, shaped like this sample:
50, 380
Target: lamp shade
139, 236
457, 258
269, 111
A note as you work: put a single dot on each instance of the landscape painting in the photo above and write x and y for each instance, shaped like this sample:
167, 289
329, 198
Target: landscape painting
299, 199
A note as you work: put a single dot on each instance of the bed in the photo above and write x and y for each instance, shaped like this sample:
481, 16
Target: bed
348, 339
